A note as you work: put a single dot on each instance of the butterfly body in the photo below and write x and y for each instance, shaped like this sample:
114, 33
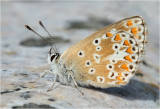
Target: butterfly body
63, 72
107, 58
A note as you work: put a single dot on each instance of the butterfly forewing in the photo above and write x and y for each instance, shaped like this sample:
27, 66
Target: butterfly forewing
110, 56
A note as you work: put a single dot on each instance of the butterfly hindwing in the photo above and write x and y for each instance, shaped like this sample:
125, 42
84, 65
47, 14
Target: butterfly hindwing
110, 56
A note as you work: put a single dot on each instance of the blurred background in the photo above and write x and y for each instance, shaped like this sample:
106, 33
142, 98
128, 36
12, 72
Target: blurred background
24, 55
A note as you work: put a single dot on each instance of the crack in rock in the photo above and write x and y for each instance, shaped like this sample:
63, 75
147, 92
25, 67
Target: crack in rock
51, 99
32, 105
9, 91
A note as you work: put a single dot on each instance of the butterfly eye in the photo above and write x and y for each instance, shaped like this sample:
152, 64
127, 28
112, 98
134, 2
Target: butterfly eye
52, 57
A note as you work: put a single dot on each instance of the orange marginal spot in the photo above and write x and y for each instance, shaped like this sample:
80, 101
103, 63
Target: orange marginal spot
126, 43
117, 38
124, 66
128, 58
129, 50
118, 82
130, 23
119, 79
109, 34
120, 74
134, 30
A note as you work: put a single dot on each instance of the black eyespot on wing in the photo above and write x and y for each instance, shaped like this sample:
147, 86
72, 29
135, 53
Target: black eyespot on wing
112, 74
96, 41
110, 66
131, 42
92, 70
131, 67
80, 53
133, 49
133, 57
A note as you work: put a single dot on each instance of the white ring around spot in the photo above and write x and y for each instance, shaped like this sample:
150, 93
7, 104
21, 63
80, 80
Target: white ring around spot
92, 71
80, 53
100, 79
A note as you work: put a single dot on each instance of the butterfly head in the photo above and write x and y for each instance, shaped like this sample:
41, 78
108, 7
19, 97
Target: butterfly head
53, 56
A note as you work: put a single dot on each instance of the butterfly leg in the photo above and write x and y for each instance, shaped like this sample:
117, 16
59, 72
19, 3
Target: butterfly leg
76, 85
55, 78
69, 77
41, 75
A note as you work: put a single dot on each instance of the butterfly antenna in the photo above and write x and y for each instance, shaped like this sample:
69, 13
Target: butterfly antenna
48, 34
29, 28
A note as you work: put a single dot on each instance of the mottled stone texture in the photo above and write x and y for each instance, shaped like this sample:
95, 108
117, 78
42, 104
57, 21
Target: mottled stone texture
24, 55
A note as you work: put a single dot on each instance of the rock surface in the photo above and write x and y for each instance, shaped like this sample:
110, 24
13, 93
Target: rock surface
24, 56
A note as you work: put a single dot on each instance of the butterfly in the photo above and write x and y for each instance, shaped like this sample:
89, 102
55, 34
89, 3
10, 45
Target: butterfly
107, 58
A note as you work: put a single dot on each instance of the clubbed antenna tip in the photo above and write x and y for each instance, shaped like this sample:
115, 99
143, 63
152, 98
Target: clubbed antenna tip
28, 27
41, 23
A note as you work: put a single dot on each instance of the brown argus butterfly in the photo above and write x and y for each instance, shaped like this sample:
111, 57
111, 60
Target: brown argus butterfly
107, 58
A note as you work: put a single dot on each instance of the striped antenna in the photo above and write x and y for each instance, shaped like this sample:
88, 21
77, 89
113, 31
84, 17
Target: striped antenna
48, 34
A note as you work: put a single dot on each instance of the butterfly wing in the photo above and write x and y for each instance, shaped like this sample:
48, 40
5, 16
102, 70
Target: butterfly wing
110, 56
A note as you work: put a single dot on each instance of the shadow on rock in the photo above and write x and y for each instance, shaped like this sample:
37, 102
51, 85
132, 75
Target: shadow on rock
135, 90
32, 42
91, 23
